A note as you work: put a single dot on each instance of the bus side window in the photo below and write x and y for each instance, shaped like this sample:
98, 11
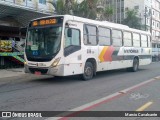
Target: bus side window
143, 41
72, 41
85, 35
136, 40
127, 38
73, 38
104, 36
117, 38
90, 35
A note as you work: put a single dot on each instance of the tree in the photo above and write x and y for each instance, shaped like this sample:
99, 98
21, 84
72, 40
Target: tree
68, 4
132, 20
107, 13
86, 9
62, 6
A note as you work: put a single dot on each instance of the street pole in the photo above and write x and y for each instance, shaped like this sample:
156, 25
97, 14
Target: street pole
151, 20
150, 14
145, 16
157, 48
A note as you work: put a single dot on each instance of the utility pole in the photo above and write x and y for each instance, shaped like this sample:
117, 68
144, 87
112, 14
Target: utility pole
150, 13
145, 17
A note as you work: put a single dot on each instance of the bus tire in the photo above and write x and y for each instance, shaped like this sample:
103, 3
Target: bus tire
135, 65
128, 69
88, 71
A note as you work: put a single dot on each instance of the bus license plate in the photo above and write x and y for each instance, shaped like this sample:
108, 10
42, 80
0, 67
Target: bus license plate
37, 73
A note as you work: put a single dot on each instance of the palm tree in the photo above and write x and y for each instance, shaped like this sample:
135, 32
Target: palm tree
92, 8
132, 20
58, 5
86, 9
68, 5
62, 6
107, 13
104, 13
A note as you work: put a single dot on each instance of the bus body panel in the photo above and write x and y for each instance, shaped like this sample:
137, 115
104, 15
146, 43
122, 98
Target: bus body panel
106, 57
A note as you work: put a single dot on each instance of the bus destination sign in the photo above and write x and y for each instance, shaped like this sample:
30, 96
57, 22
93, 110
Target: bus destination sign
44, 22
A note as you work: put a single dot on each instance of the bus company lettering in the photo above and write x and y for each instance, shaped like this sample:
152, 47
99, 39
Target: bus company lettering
71, 24
130, 51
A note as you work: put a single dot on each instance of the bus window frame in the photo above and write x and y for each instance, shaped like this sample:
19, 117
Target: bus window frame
97, 39
147, 40
139, 39
73, 45
103, 36
79, 34
131, 38
121, 37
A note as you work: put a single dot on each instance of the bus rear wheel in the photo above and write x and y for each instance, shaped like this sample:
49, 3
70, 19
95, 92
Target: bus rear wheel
88, 71
135, 65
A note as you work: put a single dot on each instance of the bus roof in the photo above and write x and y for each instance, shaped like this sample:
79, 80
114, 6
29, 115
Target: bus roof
99, 23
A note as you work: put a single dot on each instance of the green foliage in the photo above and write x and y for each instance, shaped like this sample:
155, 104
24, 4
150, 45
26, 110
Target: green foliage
86, 9
132, 20
108, 11
60, 8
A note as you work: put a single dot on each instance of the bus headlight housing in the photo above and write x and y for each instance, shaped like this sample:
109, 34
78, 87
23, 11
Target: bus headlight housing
56, 61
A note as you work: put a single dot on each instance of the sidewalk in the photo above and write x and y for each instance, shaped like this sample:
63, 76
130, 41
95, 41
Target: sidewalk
11, 72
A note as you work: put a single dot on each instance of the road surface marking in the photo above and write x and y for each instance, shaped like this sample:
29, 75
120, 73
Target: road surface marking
100, 101
142, 108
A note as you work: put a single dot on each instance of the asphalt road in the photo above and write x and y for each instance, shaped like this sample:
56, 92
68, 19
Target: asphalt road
46, 93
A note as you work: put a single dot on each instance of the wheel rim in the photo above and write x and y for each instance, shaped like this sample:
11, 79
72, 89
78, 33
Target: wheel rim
88, 71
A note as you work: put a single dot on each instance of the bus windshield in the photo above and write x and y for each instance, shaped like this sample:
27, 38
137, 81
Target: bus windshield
43, 43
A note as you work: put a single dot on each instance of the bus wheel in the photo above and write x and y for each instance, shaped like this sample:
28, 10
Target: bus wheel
135, 65
88, 71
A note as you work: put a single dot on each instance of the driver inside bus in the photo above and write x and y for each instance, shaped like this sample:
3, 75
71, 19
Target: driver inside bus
53, 40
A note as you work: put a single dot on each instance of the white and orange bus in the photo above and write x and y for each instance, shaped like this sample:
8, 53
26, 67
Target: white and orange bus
69, 45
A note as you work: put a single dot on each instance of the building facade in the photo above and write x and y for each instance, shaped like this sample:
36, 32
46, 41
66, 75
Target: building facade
148, 11
156, 27
14, 18
21, 11
143, 8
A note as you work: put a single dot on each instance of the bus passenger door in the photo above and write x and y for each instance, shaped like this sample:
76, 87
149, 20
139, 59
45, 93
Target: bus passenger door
72, 49
90, 41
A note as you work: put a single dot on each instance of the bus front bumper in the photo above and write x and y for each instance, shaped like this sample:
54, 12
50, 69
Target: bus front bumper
55, 71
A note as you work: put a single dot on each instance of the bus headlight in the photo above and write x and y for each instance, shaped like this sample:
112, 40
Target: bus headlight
25, 63
56, 61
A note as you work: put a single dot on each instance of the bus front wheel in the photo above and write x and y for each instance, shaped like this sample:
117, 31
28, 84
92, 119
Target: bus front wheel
88, 71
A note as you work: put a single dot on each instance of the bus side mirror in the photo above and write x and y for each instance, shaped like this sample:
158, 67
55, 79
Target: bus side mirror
69, 32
